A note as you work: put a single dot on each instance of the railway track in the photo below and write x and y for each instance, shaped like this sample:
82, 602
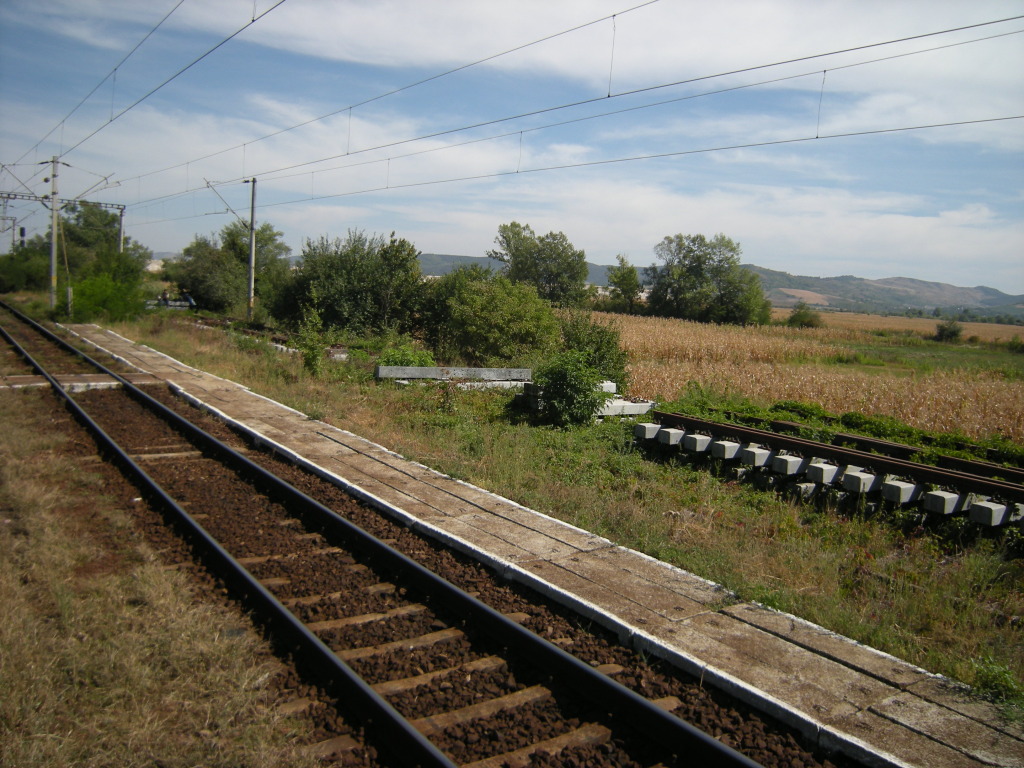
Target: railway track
438, 676
989, 494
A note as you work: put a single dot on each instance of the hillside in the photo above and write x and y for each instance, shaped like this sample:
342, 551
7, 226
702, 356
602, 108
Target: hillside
891, 294
894, 295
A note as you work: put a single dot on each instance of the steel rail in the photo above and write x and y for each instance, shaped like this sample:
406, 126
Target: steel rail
640, 713
408, 745
939, 476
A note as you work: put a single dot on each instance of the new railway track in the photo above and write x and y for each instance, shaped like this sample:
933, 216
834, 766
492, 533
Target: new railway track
438, 676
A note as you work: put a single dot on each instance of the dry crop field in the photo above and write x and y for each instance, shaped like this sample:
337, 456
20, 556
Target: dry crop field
924, 326
771, 363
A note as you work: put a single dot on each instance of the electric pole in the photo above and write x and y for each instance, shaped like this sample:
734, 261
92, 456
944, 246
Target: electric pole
54, 206
252, 249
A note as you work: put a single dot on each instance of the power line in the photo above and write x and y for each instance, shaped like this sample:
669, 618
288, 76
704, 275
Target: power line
533, 129
101, 82
394, 91
583, 102
610, 161
175, 75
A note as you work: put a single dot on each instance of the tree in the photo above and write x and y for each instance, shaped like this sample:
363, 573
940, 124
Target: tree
624, 282
549, 263
215, 269
360, 283
702, 280
475, 316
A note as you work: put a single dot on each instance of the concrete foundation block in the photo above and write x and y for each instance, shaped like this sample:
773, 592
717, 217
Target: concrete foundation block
725, 449
645, 431
806, 491
696, 443
820, 472
861, 482
606, 386
619, 407
755, 456
989, 513
900, 492
789, 465
669, 436
942, 502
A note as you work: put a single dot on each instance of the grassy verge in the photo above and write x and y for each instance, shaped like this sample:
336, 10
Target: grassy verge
953, 607
107, 659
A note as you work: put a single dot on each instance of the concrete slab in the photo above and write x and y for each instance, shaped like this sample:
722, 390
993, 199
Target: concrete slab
872, 662
971, 737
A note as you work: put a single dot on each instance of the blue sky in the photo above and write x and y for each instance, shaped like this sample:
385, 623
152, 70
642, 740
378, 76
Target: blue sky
758, 155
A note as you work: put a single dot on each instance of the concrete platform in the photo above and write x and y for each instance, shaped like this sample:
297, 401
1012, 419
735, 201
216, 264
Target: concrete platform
843, 695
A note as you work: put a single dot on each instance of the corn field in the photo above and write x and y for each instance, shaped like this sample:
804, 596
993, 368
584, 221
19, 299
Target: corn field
768, 364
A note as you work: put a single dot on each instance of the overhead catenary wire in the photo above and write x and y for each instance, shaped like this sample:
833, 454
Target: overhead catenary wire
610, 161
281, 173
631, 92
173, 77
401, 89
112, 73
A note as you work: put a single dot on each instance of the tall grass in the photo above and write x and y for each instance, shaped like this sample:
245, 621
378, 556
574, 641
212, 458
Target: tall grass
768, 364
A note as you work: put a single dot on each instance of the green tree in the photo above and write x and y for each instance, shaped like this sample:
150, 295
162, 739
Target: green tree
481, 318
625, 285
360, 283
549, 263
215, 269
702, 280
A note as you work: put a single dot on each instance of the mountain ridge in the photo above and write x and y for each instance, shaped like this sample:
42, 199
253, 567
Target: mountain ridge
844, 292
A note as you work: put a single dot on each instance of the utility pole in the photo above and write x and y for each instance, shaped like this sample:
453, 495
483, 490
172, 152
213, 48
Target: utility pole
54, 206
252, 249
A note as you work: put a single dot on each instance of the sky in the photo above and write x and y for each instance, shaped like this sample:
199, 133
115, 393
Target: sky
827, 137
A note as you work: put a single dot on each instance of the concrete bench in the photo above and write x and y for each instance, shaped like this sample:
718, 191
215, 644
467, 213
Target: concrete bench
440, 373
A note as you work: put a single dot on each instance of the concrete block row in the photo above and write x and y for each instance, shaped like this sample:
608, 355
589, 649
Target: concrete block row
818, 473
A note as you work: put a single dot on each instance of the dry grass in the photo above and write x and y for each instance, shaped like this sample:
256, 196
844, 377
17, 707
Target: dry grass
106, 660
772, 363
923, 326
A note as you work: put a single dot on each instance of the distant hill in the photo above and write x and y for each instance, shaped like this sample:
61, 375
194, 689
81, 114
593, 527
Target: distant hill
891, 294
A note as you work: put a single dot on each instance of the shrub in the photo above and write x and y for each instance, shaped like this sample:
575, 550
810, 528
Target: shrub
599, 343
475, 316
406, 354
570, 389
948, 330
803, 316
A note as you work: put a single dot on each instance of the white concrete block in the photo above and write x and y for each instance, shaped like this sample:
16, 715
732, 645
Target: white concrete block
789, 465
820, 472
725, 449
619, 407
861, 482
606, 386
989, 513
696, 443
669, 436
755, 456
941, 502
900, 492
645, 431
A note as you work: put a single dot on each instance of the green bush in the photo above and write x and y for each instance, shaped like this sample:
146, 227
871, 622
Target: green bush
803, 316
477, 317
600, 345
948, 330
570, 393
408, 355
